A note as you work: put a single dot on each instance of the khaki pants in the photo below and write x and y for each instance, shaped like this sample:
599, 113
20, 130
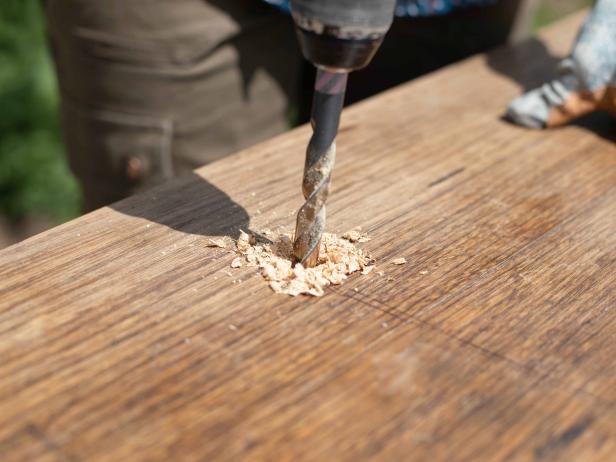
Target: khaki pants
155, 88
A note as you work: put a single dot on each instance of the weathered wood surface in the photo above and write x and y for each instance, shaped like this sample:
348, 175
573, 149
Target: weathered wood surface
123, 338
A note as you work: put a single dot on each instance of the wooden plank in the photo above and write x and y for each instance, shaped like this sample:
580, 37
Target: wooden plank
122, 337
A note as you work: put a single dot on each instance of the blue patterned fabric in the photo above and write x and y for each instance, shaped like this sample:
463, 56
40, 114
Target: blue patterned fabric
414, 8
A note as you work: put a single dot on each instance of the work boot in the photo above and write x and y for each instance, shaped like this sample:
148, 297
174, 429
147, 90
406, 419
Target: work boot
586, 80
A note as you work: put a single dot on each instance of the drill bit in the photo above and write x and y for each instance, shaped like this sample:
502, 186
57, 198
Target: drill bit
330, 88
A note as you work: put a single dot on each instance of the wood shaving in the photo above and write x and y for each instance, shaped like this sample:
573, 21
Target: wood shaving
221, 243
399, 261
355, 235
368, 270
236, 263
338, 258
245, 242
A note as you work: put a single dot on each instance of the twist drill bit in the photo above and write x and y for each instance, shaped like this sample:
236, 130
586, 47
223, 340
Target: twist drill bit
330, 88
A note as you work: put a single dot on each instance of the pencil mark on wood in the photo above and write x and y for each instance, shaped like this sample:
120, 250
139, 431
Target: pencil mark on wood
447, 177
564, 439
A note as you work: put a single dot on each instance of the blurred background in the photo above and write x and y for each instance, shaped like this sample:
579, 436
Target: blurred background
37, 190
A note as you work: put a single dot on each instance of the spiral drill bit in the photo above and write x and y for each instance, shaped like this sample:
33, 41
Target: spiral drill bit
330, 88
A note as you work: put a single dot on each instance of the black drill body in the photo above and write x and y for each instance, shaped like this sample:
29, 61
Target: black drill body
337, 36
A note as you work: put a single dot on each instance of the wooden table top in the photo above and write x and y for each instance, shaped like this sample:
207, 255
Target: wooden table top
123, 338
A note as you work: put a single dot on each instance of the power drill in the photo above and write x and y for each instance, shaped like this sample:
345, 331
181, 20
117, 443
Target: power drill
337, 36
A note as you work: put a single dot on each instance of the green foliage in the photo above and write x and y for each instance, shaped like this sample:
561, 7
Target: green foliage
34, 178
551, 10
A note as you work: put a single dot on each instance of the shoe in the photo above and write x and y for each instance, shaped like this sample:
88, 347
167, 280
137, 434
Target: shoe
557, 102
586, 80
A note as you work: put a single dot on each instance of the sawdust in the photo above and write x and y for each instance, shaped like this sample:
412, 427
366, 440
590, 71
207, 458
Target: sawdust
399, 261
338, 259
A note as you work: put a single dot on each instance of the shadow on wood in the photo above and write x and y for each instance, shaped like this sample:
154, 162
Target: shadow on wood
529, 64
191, 205
601, 123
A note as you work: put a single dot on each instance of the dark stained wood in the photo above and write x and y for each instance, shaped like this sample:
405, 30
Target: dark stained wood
122, 338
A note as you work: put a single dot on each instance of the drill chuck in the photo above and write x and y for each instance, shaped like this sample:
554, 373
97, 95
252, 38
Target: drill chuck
341, 35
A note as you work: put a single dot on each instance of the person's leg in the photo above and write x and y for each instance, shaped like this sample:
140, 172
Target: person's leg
155, 88
587, 79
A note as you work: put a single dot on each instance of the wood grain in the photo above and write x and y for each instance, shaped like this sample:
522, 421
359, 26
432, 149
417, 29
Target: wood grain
122, 338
